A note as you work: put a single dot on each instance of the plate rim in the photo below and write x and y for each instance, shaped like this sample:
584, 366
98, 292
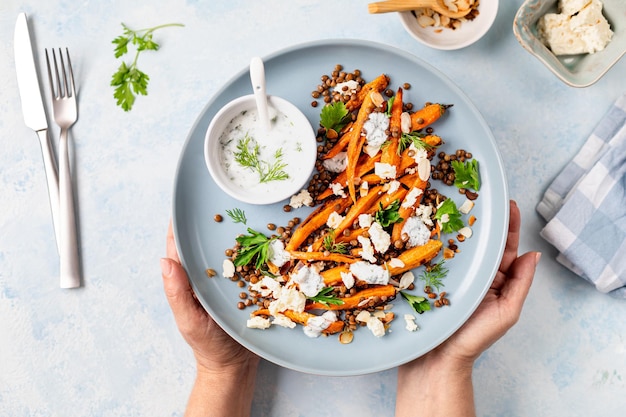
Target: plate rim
362, 44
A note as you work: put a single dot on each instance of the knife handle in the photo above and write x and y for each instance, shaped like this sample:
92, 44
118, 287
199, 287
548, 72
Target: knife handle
70, 264
52, 178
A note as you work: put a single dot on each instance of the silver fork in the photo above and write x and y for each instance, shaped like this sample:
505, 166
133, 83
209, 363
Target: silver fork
65, 115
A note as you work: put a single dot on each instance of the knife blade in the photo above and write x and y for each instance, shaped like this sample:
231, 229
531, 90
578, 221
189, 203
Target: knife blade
34, 111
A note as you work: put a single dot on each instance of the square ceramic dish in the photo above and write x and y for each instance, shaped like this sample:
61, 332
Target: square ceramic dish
575, 70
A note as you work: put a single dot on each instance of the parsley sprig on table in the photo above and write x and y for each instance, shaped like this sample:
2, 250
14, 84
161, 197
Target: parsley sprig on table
129, 80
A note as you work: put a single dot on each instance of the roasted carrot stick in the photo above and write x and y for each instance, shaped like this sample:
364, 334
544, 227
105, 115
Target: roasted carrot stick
377, 84
427, 115
322, 256
378, 292
302, 318
390, 152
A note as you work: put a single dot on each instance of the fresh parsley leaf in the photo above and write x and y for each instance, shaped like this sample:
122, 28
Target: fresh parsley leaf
334, 116
128, 80
434, 275
253, 249
388, 216
237, 215
390, 105
417, 302
325, 296
466, 174
449, 216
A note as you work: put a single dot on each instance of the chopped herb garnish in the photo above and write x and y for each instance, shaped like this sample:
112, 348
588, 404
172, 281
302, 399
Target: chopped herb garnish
247, 155
434, 275
417, 302
253, 248
390, 105
414, 138
332, 246
325, 296
334, 116
237, 215
466, 174
388, 216
449, 216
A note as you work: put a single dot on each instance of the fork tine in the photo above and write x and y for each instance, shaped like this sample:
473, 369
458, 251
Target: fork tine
60, 92
71, 72
63, 84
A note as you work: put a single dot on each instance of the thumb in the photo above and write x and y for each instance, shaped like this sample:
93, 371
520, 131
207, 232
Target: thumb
178, 291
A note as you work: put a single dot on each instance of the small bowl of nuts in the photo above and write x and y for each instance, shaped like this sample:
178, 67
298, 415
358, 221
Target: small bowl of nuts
441, 32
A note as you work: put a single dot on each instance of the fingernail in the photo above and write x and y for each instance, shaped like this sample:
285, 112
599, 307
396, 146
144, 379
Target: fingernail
537, 257
166, 267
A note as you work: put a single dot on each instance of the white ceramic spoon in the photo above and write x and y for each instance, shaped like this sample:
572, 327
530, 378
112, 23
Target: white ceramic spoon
257, 77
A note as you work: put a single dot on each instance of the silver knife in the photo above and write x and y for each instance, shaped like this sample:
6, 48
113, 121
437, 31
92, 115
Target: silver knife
34, 112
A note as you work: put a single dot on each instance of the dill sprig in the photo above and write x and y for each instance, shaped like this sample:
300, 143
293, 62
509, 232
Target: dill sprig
237, 215
433, 276
247, 155
331, 246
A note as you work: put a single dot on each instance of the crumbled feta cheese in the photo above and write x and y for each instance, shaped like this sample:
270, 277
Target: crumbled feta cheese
418, 153
375, 129
303, 198
579, 28
395, 263
266, 286
370, 273
445, 218
309, 281
337, 163
228, 268
384, 170
376, 326
258, 322
365, 220
364, 188
380, 239
409, 319
467, 206
416, 230
283, 321
393, 186
348, 279
334, 220
424, 212
287, 299
367, 250
317, 324
411, 197
337, 189
277, 253
406, 280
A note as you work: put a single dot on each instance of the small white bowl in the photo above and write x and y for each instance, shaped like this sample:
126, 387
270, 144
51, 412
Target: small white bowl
574, 70
297, 144
449, 39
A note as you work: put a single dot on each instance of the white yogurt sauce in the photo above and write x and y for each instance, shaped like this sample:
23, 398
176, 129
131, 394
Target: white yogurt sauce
282, 138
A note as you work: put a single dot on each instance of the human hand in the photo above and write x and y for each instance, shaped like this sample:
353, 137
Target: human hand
502, 305
213, 349
441, 380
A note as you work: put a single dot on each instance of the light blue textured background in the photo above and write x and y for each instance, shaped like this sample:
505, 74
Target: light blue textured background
112, 349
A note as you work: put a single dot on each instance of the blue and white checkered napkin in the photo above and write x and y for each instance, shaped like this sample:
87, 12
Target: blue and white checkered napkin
585, 207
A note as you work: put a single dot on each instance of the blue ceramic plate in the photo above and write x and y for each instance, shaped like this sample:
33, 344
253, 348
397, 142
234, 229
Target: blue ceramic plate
201, 242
